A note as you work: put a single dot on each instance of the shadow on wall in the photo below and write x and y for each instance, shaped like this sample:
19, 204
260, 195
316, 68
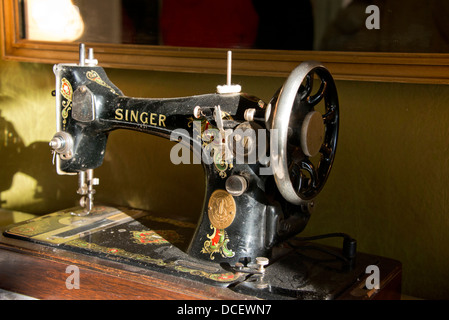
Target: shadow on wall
34, 161
137, 172
129, 155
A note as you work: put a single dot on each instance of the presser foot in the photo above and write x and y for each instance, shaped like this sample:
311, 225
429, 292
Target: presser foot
86, 183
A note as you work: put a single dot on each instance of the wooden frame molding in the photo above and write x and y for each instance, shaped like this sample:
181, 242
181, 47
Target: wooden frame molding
359, 66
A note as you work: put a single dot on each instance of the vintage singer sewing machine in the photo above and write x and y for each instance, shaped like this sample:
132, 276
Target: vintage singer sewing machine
264, 165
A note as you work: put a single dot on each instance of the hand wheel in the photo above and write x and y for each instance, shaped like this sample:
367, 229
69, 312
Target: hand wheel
303, 140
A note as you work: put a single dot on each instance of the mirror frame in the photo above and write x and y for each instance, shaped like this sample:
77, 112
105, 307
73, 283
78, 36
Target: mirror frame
431, 68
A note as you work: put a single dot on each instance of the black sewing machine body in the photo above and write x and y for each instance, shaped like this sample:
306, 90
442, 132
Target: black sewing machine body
90, 107
260, 184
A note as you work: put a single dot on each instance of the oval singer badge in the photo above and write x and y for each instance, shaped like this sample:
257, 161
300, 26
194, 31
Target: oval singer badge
221, 209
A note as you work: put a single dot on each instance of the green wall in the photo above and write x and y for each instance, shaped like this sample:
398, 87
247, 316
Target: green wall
388, 188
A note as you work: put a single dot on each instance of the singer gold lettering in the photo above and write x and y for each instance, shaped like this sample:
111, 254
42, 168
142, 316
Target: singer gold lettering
142, 117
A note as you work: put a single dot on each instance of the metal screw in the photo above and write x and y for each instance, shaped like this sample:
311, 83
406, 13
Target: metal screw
261, 263
197, 112
249, 114
239, 265
56, 143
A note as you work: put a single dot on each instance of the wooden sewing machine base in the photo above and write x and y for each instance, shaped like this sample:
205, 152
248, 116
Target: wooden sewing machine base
115, 254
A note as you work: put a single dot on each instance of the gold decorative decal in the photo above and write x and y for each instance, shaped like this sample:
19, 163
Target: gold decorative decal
221, 209
217, 243
79, 243
143, 247
93, 76
170, 265
66, 91
156, 237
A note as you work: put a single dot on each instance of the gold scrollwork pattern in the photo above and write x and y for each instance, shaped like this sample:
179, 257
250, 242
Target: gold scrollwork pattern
93, 76
216, 276
217, 243
66, 92
156, 237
